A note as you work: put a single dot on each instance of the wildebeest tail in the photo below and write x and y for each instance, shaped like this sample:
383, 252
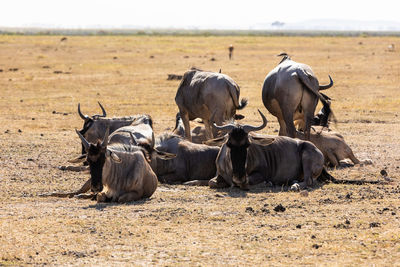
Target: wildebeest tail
234, 92
311, 83
326, 177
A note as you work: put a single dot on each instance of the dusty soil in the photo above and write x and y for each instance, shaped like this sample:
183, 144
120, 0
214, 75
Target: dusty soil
43, 79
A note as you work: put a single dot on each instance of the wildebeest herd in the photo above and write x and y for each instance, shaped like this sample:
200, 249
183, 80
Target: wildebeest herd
126, 159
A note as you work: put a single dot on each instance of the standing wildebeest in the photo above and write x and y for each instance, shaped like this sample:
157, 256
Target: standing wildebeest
291, 92
201, 94
194, 163
230, 51
249, 159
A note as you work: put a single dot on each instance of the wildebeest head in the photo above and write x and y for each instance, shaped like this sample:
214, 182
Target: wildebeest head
88, 121
96, 155
237, 143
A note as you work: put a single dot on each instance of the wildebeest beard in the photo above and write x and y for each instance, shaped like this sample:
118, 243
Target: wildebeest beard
238, 145
96, 159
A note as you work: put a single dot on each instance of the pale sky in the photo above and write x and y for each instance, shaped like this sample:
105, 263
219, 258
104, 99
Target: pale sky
201, 13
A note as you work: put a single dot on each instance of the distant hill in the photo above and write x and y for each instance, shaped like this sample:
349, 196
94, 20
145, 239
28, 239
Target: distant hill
331, 25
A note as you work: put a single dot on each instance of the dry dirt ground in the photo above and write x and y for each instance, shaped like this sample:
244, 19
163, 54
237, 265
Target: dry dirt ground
43, 79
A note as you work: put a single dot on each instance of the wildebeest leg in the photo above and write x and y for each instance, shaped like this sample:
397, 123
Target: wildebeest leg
209, 133
352, 157
87, 196
83, 189
288, 118
332, 159
130, 196
218, 182
256, 178
186, 124
197, 182
282, 127
169, 178
73, 168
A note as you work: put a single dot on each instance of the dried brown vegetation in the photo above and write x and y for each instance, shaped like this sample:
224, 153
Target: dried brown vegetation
331, 225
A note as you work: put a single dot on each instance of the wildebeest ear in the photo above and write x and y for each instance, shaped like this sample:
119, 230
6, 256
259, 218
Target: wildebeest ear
216, 141
79, 159
164, 155
114, 156
262, 141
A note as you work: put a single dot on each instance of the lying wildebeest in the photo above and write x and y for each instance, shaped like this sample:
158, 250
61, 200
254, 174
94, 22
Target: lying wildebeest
245, 159
140, 133
94, 129
291, 92
332, 146
119, 172
198, 133
202, 93
194, 164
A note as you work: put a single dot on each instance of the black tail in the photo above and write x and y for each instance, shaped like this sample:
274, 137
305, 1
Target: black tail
326, 177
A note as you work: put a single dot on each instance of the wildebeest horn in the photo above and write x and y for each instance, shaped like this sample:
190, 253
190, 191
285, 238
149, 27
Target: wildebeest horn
324, 87
105, 140
282, 54
249, 128
102, 109
84, 117
226, 128
153, 142
84, 141
133, 139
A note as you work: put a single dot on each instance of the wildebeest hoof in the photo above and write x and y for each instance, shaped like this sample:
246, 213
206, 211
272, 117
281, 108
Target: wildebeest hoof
366, 162
101, 197
62, 168
295, 187
244, 187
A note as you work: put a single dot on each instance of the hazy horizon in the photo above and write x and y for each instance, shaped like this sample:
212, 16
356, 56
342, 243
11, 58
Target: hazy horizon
207, 14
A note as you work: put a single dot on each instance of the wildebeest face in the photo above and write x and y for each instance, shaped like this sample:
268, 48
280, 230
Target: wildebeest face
238, 143
96, 156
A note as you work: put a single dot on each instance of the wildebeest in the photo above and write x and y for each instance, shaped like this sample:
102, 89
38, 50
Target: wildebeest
230, 48
140, 133
198, 133
193, 162
320, 119
202, 93
332, 146
245, 159
291, 92
119, 172
94, 128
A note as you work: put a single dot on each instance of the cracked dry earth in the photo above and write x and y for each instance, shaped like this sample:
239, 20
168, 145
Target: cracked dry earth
327, 225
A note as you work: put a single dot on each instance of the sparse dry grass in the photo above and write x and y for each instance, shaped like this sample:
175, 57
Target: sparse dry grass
191, 225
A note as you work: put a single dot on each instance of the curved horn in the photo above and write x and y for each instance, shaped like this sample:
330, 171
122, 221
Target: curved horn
102, 109
133, 139
105, 140
324, 87
249, 128
84, 117
153, 141
226, 128
84, 141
